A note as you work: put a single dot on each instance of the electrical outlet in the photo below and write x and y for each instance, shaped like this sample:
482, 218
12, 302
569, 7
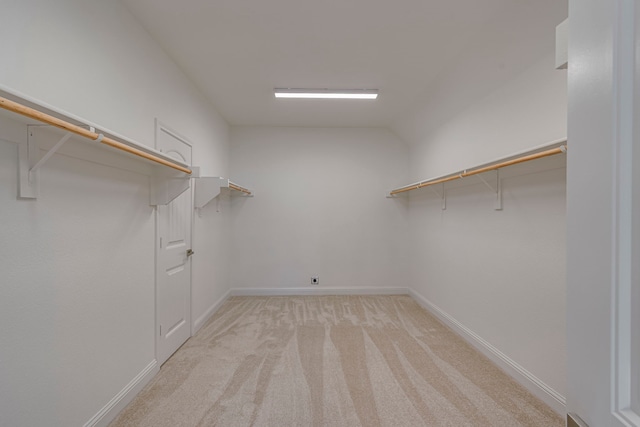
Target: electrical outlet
315, 280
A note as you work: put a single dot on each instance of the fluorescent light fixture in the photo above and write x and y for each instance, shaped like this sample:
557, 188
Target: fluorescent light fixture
327, 93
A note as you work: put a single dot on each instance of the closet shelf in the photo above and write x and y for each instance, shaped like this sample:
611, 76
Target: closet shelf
208, 188
553, 148
170, 176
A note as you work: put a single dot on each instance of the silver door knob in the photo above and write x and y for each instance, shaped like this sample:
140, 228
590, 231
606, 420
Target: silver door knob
190, 252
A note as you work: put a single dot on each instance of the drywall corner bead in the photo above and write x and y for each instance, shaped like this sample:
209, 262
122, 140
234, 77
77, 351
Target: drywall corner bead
562, 45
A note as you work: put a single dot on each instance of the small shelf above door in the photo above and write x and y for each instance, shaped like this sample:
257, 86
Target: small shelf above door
208, 188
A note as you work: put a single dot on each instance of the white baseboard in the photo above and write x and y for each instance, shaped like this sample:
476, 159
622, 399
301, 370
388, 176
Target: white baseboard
534, 385
200, 321
122, 399
126, 395
265, 292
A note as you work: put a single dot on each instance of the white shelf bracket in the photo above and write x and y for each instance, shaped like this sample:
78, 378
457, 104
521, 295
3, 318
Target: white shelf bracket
497, 189
164, 189
48, 154
443, 196
498, 202
29, 164
207, 189
28, 156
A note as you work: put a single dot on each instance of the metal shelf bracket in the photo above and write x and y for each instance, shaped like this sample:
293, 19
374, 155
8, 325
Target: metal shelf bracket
442, 196
29, 162
497, 189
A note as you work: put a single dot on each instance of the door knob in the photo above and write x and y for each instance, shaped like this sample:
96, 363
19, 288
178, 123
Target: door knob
190, 252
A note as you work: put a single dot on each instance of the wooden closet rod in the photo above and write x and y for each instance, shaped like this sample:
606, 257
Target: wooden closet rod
54, 121
238, 188
465, 173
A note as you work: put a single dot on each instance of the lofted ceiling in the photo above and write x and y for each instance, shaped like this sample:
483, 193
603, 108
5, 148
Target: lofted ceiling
238, 51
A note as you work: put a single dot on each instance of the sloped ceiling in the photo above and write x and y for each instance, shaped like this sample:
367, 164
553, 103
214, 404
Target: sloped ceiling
238, 51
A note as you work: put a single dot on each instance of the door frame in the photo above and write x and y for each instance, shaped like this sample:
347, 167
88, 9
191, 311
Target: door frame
159, 126
602, 199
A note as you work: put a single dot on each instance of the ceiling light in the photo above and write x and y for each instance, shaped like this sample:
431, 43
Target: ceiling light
327, 93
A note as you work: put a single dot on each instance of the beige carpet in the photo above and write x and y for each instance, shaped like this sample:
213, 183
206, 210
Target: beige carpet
331, 361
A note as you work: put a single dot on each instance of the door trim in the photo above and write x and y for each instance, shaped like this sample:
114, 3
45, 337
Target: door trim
624, 366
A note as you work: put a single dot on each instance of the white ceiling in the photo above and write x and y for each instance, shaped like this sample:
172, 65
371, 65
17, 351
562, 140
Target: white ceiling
237, 51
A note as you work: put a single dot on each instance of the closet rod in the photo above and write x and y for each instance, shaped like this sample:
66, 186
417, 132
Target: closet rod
70, 127
465, 173
238, 188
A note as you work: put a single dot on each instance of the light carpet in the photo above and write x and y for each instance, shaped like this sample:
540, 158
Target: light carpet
331, 361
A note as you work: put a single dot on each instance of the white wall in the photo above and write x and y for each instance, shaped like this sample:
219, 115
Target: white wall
77, 290
502, 96
77, 294
319, 209
499, 276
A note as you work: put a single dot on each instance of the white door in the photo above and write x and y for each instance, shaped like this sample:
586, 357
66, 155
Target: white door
173, 246
603, 213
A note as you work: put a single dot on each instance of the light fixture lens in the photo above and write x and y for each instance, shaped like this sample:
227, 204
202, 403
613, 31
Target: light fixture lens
326, 93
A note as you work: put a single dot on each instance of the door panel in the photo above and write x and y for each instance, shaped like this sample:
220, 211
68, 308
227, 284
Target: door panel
173, 283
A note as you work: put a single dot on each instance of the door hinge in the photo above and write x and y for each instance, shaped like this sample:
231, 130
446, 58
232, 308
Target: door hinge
160, 330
